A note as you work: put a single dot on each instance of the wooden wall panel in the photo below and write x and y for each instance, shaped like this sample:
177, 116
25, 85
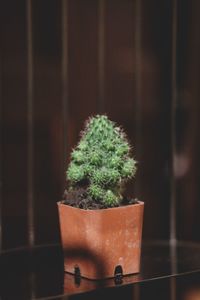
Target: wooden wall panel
187, 130
47, 119
120, 73
98, 56
154, 117
83, 64
14, 124
119, 60
138, 96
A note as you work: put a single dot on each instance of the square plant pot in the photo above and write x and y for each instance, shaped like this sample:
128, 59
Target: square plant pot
96, 242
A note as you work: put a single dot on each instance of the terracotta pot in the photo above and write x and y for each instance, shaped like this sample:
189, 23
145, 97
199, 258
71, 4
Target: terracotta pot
97, 241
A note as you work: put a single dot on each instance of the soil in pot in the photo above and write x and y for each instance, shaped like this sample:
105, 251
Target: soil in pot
80, 199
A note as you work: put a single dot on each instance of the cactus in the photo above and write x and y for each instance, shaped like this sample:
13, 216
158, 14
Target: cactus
102, 161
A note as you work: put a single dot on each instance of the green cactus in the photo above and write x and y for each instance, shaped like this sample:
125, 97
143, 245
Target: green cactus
102, 160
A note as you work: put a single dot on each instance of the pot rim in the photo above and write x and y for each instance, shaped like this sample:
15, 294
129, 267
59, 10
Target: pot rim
139, 203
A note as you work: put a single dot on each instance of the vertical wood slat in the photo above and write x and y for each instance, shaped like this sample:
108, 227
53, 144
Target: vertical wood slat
14, 125
83, 69
48, 118
137, 115
188, 73
1, 154
152, 71
101, 56
172, 200
138, 82
173, 124
30, 98
65, 82
119, 43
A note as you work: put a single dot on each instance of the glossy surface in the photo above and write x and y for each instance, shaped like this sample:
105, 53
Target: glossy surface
39, 273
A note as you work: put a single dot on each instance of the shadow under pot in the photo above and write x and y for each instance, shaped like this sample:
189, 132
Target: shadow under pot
97, 242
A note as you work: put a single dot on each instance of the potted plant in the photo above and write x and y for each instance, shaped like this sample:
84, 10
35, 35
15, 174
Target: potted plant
101, 229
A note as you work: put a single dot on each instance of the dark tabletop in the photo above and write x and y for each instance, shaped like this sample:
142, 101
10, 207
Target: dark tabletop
167, 272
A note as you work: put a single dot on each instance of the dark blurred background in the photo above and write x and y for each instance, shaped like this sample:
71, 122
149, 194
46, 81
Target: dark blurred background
63, 60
